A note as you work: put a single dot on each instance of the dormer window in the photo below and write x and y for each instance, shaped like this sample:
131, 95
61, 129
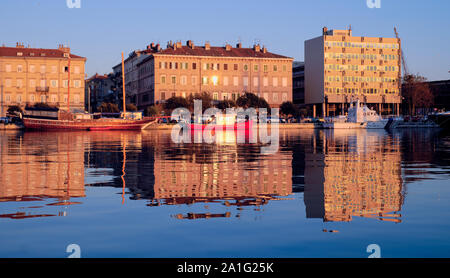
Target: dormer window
66, 55
42, 54
19, 54
31, 54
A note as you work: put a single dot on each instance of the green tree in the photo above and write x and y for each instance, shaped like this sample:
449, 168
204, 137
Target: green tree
154, 110
107, 107
251, 100
207, 101
287, 108
226, 103
131, 107
175, 102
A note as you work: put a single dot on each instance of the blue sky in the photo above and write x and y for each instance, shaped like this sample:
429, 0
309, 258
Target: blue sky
100, 30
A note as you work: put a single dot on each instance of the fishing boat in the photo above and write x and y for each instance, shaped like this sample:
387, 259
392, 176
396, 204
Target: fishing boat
52, 118
359, 116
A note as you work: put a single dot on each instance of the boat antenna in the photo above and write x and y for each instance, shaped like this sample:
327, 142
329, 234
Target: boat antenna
123, 88
68, 83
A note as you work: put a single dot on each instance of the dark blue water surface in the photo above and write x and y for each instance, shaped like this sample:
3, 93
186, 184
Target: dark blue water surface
137, 194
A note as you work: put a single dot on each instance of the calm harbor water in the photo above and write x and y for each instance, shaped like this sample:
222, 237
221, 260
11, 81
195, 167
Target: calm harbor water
137, 194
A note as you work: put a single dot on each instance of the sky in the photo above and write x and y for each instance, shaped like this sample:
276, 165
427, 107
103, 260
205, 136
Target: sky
100, 29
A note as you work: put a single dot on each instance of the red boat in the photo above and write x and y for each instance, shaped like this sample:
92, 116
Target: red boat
86, 124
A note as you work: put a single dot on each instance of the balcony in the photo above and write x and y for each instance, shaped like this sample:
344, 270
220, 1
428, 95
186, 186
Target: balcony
41, 89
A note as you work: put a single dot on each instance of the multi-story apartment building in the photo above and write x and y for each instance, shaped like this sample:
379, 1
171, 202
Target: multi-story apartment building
340, 68
30, 75
298, 82
223, 72
99, 88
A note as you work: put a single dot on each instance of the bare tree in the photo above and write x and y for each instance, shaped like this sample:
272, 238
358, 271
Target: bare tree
416, 93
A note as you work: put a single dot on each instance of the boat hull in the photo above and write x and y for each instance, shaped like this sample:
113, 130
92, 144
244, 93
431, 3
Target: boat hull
364, 125
92, 125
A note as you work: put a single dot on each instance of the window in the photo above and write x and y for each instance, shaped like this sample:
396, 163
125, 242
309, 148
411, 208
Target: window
8, 98
77, 83
206, 66
245, 81
183, 80
284, 97
19, 98
205, 80
285, 81
53, 69
275, 97
163, 79
284, 68
77, 98
255, 68
236, 67
19, 83
265, 81
275, 81
32, 98
236, 81
32, 68
32, 83
43, 68
65, 83
54, 83
163, 95
43, 83
194, 66
275, 68
43, 98
77, 70
225, 66
215, 96
255, 81
19, 68
224, 96
245, 67
225, 80
266, 68
174, 79
194, 80
8, 83
8, 68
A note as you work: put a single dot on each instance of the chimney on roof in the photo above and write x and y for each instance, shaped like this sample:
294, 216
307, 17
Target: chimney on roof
63, 48
158, 47
207, 46
179, 44
264, 50
239, 45
228, 47
19, 45
257, 47
190, 44
170, 44
324, 30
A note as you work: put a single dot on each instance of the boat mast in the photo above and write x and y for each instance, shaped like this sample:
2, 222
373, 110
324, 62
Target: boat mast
123, 87
68, 84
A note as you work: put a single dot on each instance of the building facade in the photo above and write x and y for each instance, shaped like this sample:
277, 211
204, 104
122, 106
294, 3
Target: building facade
99, 88
223, 72
31, 75
298, 82
341, 68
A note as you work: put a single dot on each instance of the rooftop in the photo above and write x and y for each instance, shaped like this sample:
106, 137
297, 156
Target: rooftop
21, 51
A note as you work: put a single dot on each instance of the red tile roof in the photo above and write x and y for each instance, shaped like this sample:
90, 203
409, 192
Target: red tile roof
27, 52
220, 52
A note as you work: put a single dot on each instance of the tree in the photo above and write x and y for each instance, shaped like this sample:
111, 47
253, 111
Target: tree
176, 102
207, 101
226, 103
107, 107
153, 110
416, 92
131, 107
251, 100
289, 109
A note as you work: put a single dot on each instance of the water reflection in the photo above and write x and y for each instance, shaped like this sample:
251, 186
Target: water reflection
341, 174
50, 168
358, 173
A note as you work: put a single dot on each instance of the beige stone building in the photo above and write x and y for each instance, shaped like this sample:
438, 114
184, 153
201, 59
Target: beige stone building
223, 72
340, 68
31, 75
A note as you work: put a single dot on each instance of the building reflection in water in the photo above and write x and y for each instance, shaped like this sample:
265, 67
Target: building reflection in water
41, 167
353, 173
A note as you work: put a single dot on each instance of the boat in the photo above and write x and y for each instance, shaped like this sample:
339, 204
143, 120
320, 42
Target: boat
359, 116
222, 123
52, 118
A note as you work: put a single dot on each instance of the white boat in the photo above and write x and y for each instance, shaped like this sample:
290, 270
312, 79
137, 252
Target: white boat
359, 116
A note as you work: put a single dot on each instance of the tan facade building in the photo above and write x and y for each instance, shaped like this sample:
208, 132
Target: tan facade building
31, 75
223, 72
341, 68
